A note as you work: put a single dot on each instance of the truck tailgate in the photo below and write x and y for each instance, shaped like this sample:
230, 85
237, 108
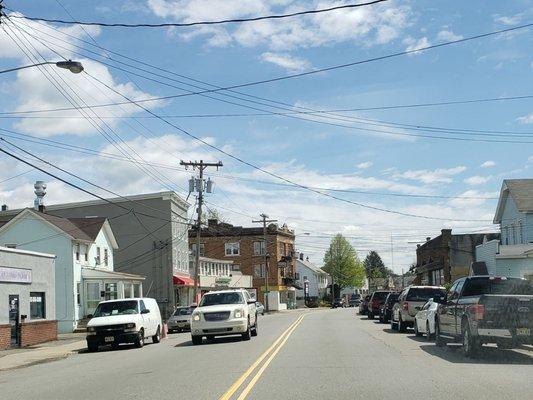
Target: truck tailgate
508, 312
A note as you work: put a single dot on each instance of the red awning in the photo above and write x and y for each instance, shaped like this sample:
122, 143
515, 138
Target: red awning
182, 280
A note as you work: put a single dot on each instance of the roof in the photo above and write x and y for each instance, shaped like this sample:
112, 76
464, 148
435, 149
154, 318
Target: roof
521, 191
222, 229
312, 267
97, 273
83, 229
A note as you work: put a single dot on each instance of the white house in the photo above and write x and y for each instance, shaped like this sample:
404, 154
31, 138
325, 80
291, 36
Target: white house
311, 276
83, 248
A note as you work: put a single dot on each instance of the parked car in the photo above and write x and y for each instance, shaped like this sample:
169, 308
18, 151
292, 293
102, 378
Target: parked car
124, 321
355, 300
260, 308
376, 301
180, 319
338, 303
411, 300
385, 310
222, 313
363, 306
483, 309
425, 318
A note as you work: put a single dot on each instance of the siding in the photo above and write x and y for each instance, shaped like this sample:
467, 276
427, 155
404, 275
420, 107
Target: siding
486, 252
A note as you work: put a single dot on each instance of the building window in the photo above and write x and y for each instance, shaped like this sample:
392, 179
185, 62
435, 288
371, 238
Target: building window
128, 290
136, 290
232, 249
259, 248
37, 305
78, 252
259, 270
235, 267
98, 256
111, 292
202, 249
519, 233
86, 252
106, 258
78, 293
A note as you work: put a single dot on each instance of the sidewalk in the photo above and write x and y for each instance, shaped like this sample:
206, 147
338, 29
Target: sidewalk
23, 357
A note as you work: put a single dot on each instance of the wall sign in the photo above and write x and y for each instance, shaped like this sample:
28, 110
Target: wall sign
15, 275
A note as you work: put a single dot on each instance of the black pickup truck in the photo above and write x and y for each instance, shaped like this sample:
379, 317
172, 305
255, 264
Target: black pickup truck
486, 309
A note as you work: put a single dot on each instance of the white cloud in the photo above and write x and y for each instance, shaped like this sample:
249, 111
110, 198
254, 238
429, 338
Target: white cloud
477, 180
508, 20
413, 44
472, 198
365, 165
526, 119
439, 175
286, 61
378, 24
448, 36
488, 164
33, 90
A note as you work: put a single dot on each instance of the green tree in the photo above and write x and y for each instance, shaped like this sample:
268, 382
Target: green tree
375, 267
341, 262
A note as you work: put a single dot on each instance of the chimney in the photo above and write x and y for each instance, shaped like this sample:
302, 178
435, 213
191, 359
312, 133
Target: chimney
40, 192
428, 239
302, 256
4, 207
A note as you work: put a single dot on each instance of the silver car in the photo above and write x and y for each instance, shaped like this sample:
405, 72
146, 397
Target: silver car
180, 319
260, 308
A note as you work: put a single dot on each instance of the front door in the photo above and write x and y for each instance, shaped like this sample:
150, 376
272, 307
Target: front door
14, 318
92, 297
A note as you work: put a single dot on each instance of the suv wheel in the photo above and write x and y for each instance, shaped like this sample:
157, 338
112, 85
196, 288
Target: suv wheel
393, 325
254, 330
248, 334
196, 340
401, 325
471, 346
370, 315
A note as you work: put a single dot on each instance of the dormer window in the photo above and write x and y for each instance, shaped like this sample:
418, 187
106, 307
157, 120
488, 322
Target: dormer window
77, 247
98, 256
106, 258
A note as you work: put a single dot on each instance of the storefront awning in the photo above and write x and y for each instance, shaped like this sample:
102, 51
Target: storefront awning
181, 280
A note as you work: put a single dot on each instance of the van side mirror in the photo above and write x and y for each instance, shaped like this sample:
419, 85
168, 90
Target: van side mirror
145, 311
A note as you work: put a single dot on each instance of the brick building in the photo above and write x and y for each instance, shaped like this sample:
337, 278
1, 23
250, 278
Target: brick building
447, 257
246, 248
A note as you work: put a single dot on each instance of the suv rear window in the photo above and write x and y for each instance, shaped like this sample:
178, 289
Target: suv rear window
423, 294
379, 295
214, 299
392, 298
479, 286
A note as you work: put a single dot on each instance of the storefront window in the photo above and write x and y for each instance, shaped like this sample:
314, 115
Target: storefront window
37, 305
111, 292
136, 290
128, 290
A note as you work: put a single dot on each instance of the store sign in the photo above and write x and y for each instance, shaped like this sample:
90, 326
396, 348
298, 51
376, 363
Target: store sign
15, 275
223, 280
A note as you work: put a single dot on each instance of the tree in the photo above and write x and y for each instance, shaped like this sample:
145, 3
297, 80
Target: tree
342, 263
375, 267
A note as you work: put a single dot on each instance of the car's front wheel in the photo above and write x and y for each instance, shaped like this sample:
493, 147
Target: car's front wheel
439, 341
417, 332
429, 335
254, 330
401, 325
139, 342
248, 334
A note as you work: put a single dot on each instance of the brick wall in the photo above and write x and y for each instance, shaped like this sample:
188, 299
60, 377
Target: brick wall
5, 336
37, 332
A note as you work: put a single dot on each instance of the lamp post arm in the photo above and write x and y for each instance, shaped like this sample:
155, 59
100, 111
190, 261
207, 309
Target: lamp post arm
26, 66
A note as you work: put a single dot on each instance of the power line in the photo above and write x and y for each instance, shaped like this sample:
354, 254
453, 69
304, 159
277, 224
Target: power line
197, 23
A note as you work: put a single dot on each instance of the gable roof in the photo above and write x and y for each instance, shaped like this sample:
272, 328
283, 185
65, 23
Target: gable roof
521, 191
312, 267
74, 228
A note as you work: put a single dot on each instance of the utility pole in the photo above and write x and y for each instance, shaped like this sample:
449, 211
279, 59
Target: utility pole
198, 186
264, 219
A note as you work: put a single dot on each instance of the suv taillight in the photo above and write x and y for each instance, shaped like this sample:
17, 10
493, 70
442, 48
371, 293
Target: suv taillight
479, 311
405, 306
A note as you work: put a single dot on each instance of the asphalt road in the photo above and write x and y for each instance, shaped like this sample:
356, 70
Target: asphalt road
319, 354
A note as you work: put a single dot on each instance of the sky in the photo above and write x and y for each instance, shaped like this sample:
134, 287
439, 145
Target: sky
392, 189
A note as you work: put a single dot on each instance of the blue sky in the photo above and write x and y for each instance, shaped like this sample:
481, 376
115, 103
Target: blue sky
306, 152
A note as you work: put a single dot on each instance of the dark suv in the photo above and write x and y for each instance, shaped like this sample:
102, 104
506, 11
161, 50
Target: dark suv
385, 310
376, 301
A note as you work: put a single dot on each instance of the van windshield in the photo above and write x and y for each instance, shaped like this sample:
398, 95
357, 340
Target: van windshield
116, 308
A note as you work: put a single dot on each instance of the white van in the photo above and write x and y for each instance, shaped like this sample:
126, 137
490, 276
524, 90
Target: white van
124, 321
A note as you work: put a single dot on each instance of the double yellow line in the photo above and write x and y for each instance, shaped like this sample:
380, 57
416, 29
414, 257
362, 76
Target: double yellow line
272, 350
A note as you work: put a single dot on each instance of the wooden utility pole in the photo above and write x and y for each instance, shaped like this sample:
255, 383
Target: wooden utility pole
199, 187
264, 220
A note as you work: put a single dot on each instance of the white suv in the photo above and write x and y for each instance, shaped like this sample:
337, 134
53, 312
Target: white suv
224, 312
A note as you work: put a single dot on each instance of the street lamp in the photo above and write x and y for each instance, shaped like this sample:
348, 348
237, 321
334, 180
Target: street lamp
73, 66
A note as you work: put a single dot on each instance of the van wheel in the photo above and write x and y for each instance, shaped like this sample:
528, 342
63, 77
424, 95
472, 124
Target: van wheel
157, 337
139, 342
254, 329
92, 347
196, 340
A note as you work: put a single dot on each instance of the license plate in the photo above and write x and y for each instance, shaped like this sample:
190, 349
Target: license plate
109, 339
523, 331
